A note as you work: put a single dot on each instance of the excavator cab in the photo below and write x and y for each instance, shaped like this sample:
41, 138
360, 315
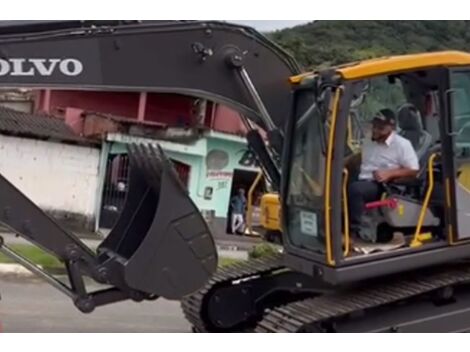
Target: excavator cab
430, 94
407, 271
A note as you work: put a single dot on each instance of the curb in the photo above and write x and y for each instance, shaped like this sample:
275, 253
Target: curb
15, 270
233, 248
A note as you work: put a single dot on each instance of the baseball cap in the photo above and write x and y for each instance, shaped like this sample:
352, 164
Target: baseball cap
386, 116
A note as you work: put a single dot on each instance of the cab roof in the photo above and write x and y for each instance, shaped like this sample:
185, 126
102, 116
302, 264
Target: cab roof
391, 64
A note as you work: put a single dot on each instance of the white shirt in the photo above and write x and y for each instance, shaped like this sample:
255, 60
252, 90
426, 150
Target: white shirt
395, 153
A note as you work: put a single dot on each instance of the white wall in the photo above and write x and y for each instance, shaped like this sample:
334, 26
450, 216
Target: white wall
57, 177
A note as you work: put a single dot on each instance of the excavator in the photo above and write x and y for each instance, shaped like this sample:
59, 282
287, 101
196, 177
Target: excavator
323, 280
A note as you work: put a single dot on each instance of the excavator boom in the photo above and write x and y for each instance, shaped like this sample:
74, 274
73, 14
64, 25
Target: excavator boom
192, 58
161, 245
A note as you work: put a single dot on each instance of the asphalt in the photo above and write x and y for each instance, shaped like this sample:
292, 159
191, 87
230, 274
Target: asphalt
33, 306
30, 305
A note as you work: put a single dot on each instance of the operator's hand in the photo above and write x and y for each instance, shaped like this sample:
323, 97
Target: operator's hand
383, 175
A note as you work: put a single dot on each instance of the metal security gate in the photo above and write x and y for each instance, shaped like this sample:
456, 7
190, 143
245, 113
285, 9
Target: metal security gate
116, 185
183, 171
114, 189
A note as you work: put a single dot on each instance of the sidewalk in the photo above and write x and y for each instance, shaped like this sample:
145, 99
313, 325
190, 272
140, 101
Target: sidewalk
222, 240
228, 246
234, 249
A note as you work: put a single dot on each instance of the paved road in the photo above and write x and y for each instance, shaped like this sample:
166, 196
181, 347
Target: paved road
33, 306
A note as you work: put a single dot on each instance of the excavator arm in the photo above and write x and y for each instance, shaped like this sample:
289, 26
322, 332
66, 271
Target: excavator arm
160, 246
222, 62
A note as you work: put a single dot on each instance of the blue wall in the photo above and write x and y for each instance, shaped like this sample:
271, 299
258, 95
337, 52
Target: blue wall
220, 179
212, 161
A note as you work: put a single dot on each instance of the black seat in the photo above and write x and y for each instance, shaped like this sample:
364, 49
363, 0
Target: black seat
411, 128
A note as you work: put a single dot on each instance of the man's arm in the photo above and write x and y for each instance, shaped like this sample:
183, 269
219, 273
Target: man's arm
390, 175
409, 166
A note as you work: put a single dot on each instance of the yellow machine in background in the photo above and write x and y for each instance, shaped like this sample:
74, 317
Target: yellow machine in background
271, 217
464, 176
269, 212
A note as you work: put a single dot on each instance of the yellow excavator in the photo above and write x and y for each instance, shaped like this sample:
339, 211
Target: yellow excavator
323, 280
326, 281
268, 209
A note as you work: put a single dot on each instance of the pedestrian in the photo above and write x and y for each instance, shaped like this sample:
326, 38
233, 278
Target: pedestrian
238, 207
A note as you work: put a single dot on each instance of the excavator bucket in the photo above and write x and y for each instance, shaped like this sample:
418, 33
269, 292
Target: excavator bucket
161, 241
160, 247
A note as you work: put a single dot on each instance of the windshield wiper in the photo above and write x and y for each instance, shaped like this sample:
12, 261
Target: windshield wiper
306, 115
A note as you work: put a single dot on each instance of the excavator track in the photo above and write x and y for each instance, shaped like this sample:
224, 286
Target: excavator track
316, 314
195, 306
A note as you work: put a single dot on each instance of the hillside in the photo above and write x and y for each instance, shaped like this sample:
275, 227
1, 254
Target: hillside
323, 43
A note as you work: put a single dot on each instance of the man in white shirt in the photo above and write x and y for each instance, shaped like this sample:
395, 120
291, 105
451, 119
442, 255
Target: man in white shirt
384, 158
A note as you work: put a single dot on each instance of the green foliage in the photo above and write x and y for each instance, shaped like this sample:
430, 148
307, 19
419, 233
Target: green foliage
381, 94
35, 255
46, 260
223, 261
325, 43
262, 250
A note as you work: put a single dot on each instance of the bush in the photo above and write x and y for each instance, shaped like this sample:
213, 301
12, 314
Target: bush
228, 261
262, 250
34, 254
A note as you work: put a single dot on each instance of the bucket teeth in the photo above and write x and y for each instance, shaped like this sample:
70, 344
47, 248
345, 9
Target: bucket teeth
149, 165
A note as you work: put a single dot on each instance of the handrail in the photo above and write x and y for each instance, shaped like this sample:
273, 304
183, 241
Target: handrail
416, 242
346, 213
328, 174
249, 208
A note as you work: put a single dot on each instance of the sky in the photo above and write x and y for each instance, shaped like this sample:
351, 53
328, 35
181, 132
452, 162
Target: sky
260, 25
268, 25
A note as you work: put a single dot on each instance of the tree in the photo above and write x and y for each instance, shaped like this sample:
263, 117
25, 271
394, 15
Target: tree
324, 43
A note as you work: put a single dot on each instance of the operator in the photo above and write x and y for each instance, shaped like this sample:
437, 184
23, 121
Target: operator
386, 157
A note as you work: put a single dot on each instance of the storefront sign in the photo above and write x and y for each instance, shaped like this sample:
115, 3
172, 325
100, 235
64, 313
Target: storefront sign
219, 175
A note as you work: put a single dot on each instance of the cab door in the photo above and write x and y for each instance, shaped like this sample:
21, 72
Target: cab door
459, 104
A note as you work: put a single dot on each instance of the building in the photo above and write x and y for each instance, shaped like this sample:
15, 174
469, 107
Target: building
205, 142
51, 165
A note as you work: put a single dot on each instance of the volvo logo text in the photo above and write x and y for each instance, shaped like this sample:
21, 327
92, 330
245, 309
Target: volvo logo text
40, 67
